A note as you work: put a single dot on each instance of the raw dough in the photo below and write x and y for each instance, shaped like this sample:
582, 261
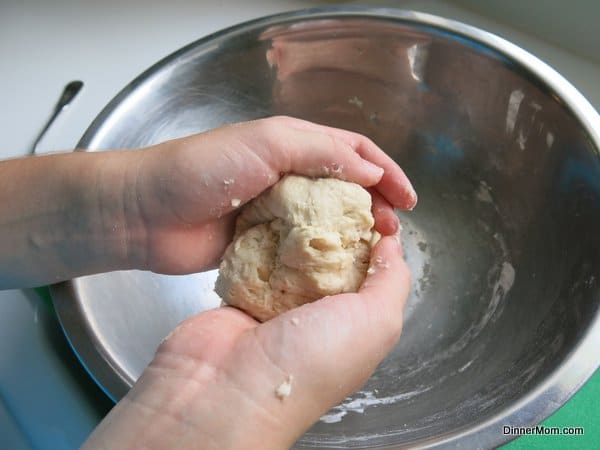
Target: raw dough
297, 242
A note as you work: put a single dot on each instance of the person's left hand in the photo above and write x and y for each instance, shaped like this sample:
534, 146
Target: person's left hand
213, 383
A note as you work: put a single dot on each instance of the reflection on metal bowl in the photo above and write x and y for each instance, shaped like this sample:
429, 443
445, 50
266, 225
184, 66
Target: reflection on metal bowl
502, 325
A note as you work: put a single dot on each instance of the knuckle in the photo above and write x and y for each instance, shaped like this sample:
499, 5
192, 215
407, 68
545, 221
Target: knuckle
340, 147
269, 132
279, 121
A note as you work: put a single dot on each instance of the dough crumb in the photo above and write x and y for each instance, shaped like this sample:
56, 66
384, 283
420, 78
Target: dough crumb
295, 321
381, 263
235, 202
337, 168
284, 389
371, 270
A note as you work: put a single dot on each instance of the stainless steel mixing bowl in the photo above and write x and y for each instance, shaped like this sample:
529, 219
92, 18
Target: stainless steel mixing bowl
502, 326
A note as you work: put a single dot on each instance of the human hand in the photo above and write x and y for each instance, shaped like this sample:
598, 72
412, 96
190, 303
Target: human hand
169, 208
213, 383
214, 380
186, 192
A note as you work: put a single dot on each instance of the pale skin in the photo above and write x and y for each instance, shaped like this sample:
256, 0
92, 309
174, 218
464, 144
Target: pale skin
169, 209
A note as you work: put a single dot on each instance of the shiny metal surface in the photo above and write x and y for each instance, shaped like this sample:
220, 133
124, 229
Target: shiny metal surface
503, 323
66, 97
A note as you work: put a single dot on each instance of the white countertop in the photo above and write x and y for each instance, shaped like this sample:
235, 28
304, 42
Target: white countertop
44, 402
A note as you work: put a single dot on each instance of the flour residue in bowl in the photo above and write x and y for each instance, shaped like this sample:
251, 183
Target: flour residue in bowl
483, 193
363, 400
501, 278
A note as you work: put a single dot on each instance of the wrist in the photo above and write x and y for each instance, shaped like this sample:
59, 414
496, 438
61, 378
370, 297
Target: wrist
66, 215
116, 222
89, 226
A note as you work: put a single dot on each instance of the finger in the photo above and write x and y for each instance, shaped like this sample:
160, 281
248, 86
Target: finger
386, 287
379, 304
303, 152
240, 161
388, 276
394, 185
315, 153
386, 222
345, 334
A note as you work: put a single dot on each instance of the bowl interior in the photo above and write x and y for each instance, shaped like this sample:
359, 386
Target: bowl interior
504, 244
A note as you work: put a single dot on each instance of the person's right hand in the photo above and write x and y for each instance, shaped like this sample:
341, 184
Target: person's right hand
186, 192
170, 208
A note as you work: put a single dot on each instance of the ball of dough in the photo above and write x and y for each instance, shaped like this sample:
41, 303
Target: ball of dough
299, 241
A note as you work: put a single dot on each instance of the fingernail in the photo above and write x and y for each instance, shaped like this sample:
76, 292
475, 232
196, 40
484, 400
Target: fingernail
373, 168
412, 199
